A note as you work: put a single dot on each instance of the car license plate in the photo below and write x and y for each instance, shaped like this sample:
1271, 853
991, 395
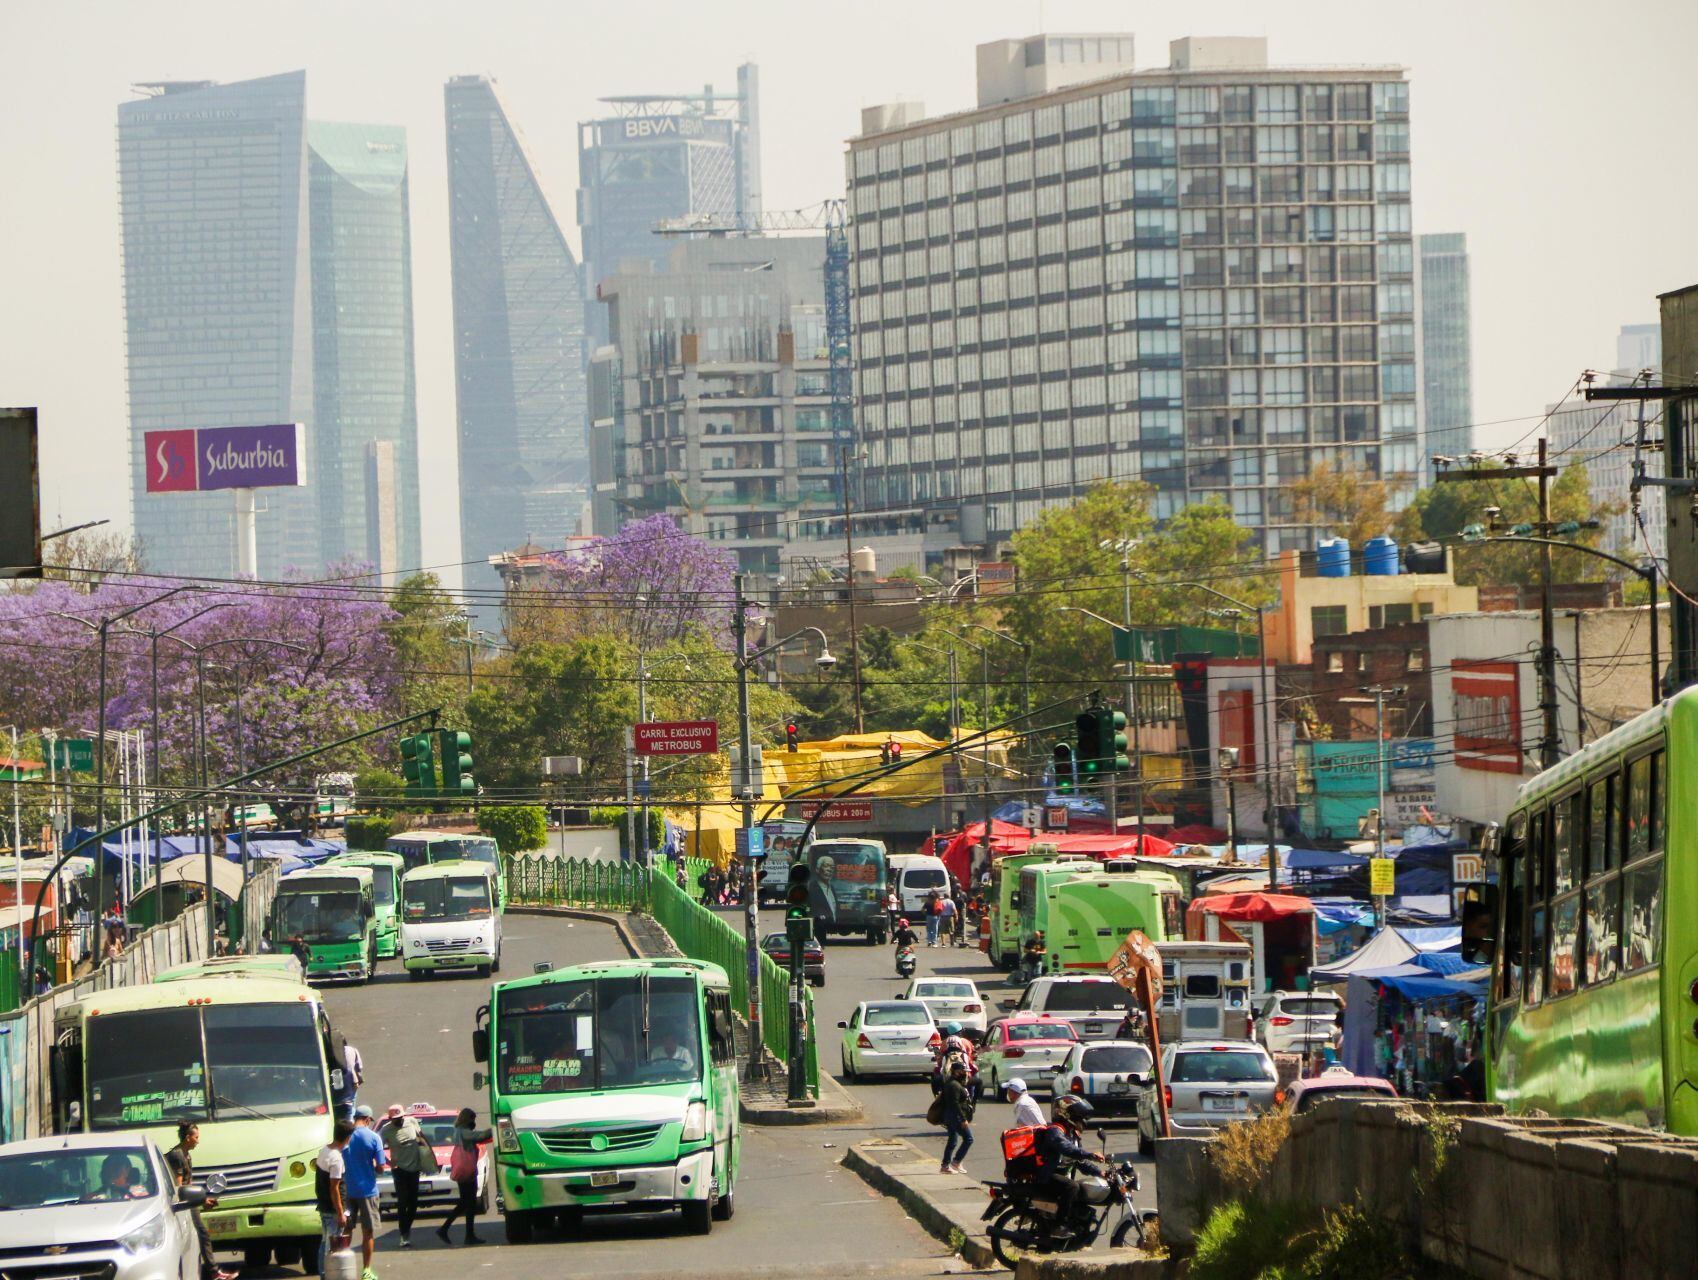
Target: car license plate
1119, 1089
1220, 1104
605, 1179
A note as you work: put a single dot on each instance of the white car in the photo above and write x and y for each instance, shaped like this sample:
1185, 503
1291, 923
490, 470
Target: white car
1024, 1046
889, 1038
95, 1204
1111, 1075
1296, 1021
1210, 1083
951, 1000
1093, 1003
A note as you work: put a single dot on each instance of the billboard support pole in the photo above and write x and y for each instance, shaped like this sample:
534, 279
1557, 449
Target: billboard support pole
247, 535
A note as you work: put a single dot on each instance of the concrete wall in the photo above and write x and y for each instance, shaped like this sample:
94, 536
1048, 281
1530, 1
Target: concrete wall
1494, 1196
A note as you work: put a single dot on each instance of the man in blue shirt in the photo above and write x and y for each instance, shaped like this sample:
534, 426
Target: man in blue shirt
363, 1158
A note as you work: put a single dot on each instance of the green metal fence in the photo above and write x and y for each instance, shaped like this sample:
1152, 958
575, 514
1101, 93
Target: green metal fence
11, 982
577, 882
694, 869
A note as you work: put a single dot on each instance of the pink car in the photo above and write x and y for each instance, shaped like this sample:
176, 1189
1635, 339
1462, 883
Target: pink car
1306, 1095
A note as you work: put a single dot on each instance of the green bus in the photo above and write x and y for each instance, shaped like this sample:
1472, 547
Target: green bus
1594, 984
421, 848
333, 911
449, 920
386, 870
613, 1088
250, 1060
276, 964
1091, 914
1037, 882
1003, 901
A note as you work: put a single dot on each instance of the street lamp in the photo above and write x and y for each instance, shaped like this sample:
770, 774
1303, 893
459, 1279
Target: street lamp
743, 660
954, 685
1226, 758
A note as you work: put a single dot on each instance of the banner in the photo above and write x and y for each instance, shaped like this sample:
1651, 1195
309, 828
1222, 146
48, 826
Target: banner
187, 460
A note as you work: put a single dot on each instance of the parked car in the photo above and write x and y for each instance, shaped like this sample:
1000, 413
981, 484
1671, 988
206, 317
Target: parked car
1335, 1082
889, 1038
1295, 1021
1094, 1004
777, 945
437, 1191
96, 1205
951, 1000
1210, 1083
1024, 1045
1112, 1075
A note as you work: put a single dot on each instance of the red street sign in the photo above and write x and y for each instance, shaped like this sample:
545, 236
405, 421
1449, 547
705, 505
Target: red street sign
840, 811
676, 737
1055, 817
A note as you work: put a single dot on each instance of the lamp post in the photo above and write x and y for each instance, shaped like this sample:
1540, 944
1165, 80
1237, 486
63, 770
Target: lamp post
18, 864
1226, 758
1025, 662
743, 660
1125, 546
984, 747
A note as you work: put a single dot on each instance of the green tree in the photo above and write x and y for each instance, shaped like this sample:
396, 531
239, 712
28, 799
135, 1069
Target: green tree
1443, 511
380, 790
428, 633
515, 828
1348, 504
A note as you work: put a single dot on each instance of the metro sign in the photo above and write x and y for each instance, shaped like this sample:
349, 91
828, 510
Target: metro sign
839, 811
675, 737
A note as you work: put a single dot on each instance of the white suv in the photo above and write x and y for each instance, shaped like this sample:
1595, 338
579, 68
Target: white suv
1095, 1005
1296, 1021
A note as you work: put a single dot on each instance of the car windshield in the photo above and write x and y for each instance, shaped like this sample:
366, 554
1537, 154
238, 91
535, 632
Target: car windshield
924, 878
945, 991
598, 1033
259, 1061
458, 898
1114, 1058
313, 915
775, 942
1308, 1006
897, 1015
1221, 1067
1041, 1031
1085, 997
1314, 1097
438, 1131
82, 1174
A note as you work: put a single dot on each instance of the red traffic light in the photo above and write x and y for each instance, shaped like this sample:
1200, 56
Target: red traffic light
895, 751
791, 735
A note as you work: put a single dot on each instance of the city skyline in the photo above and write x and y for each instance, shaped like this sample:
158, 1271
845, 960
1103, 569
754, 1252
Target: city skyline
811, 109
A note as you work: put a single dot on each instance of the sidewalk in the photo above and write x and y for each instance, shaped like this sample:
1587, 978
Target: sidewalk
949, 1205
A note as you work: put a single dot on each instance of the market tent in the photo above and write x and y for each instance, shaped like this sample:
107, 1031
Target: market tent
846, 758
180, 881
1322, 861
1416, 982
1388, 947
959, 853
1332, 915
1247, 906
1437, 938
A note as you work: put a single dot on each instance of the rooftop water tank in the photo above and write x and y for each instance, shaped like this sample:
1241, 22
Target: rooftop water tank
1379, 556
865, 562
1332, 558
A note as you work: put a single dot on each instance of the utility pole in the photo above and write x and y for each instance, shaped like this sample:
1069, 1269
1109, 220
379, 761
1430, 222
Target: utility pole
849, 584
757, 1069
1132, 708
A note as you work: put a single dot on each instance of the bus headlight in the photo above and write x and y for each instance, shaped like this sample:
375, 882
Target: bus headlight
506, 1136
695, 1122
145, 1238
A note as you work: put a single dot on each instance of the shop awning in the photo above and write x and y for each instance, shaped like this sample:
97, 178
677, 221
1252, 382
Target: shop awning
1251, 906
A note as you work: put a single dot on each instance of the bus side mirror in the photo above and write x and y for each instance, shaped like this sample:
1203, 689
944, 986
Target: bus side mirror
480, 1045
478, 1081
337, 1079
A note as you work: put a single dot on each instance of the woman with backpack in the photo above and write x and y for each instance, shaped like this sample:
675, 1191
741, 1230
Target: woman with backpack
957, 1109
463, 1164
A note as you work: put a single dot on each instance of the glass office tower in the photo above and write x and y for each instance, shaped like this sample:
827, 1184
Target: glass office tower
1447, 368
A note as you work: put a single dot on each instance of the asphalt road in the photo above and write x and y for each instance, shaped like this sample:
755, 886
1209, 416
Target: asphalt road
798, 1213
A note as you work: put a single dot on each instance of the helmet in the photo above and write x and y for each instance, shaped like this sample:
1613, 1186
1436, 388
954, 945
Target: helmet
1076, 1111
902, 923
952, 1028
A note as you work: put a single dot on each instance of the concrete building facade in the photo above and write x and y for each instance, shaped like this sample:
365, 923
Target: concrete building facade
1313, 608
1446, 351
1202, 277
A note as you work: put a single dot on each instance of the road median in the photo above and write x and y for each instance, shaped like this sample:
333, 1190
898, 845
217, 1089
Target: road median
948, 1205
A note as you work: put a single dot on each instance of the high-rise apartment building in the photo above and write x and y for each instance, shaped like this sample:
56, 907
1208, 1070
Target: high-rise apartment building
1202, 277
217, 301
363, 389
518, 336
660, 156
1600, 435
1639, 347
1446, 333
267, 279
712, 403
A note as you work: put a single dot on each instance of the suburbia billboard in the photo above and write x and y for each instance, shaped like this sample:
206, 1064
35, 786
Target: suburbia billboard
186, 460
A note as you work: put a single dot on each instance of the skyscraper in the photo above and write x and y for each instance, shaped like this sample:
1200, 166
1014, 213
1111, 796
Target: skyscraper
363, 393
1447, 378
217, 301
662, 156
518, 336
1639, 346
1202, 277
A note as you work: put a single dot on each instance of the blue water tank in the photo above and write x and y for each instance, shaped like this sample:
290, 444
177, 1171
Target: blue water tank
1332, 558
1379, 556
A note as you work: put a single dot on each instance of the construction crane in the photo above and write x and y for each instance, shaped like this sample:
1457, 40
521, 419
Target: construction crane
830, 216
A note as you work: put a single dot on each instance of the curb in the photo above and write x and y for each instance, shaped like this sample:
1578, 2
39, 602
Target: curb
834, 1106
600, 917
965, 1236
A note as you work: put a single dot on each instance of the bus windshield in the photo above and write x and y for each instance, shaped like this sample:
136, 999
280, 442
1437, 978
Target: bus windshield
318, 916
414, 853
479, 850
383, 886
598, 1033
214, 1062
462, 898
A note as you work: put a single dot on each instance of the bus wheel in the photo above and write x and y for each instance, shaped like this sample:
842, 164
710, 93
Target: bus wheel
255, 1256
308, 1255
698, 1217
417, 975
520, 1225
725, 1206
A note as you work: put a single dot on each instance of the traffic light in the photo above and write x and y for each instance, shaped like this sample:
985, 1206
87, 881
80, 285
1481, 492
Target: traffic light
417, 766
1088, 753
890, 753
796, 893
1112, 731
791, 735
456, 748
1065, 778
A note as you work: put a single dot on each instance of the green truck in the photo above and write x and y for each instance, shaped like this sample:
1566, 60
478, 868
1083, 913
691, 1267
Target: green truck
1091, 914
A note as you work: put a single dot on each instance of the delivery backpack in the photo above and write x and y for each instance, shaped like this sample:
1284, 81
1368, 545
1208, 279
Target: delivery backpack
1020, 1153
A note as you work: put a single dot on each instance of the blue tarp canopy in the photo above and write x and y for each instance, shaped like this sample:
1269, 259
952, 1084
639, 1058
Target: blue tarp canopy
1332, 916
1418, 982
1322, 860
163, 849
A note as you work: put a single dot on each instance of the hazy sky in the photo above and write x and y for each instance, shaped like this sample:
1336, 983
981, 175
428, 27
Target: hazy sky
1529, 121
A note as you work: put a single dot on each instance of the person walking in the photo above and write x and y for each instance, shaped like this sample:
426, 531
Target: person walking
180, 1160
1027, 1112
410, 1157
957, 1118
328, 1174
463, 1169
946, 917
362, 1160
931, 918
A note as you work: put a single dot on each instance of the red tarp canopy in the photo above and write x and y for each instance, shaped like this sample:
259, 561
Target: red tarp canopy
1243, 906
1197, 833
1006, 839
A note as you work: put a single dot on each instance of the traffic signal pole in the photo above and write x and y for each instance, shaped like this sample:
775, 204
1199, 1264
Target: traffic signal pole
757, 1068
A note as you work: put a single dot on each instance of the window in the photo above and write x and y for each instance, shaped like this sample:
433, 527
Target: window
1603, 931
1638, 808
1603, 849
1564, 837
1328, 620
1643, 916
1512, 855
1565, 946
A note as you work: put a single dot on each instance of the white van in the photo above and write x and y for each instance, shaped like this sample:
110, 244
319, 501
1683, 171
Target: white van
450, 919
913, 877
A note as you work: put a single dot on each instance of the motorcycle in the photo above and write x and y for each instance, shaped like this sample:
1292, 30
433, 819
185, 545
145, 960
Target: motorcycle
940, 1072
905, 962
1026, 1219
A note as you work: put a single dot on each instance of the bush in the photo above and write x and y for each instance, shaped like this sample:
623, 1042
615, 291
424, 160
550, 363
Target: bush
379, 790
1242, 1153
1247, 1240
369, 832
515, 827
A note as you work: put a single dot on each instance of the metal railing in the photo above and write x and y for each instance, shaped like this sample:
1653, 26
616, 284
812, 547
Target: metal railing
577, 882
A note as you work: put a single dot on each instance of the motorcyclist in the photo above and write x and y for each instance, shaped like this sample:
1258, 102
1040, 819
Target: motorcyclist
1058, 1150
904, 935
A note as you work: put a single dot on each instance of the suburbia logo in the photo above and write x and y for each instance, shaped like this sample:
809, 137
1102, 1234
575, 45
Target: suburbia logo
170, 461
173, 462
230, 459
